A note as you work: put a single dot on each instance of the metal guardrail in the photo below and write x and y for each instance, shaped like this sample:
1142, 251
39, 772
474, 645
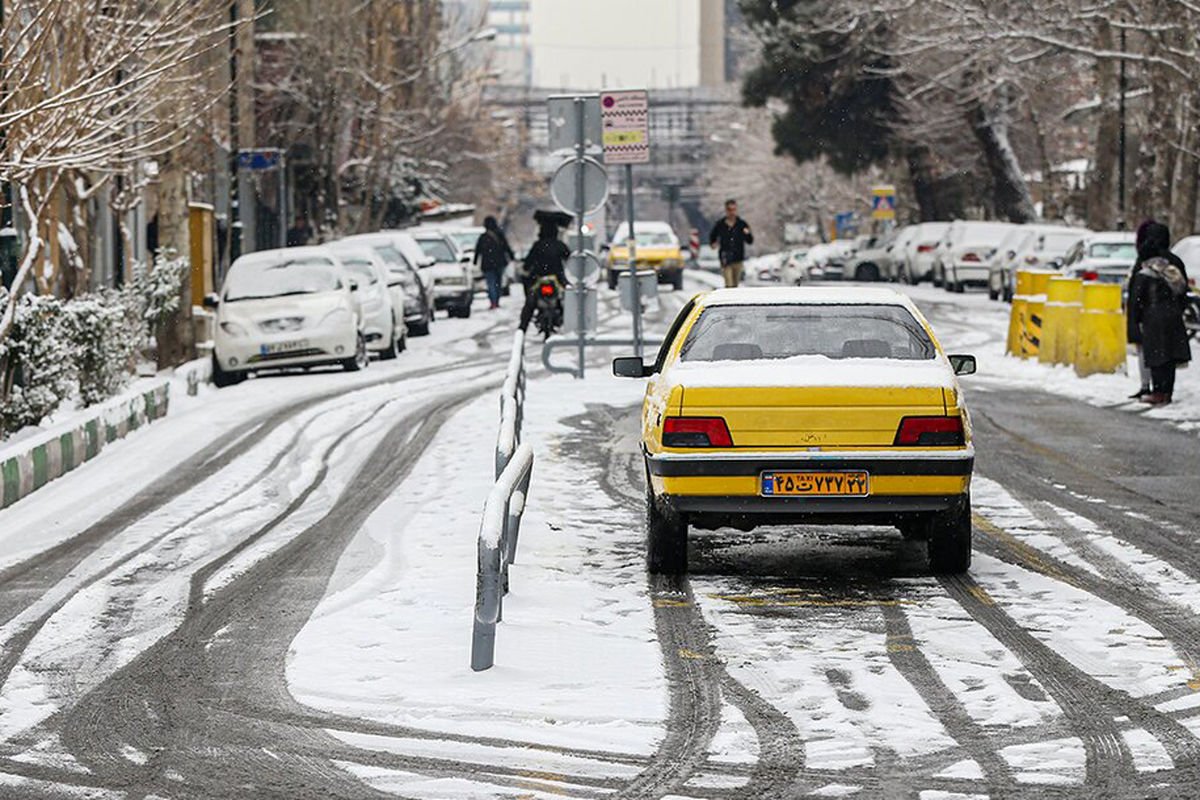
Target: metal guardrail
554, 344
502, 512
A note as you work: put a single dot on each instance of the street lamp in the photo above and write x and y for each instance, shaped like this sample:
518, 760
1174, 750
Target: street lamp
1123, 86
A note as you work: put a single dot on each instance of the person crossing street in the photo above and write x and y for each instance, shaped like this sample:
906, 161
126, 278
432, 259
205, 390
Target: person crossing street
492, 253
729, 238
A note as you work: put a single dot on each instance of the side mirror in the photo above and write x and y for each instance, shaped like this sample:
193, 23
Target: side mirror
631, 367
211, 301
963, 365
604, 248
353, 285
465, 259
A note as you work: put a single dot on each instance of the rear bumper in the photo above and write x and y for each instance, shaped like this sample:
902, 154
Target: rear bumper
715, 489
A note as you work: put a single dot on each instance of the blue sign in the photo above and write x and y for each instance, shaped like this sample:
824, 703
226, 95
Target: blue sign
260, 160
844, 224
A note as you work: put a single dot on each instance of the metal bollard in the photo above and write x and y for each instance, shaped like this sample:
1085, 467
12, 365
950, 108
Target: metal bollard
193, 383
487, 607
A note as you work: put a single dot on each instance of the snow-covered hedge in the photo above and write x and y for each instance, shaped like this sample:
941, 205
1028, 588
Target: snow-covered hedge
84, 348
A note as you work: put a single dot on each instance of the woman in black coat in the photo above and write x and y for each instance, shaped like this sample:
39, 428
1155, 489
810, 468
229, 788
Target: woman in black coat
492, 253
1157, 298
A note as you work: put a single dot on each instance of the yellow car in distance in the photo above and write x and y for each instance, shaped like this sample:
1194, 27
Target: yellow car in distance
658, 249
810, 405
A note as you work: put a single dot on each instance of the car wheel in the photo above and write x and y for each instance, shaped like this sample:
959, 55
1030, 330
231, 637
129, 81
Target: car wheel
391, 351
666, 539
677, 281
992, 293
464, 312
221, 379
959, 287
360, 359
950, 539
866, 272
935, 279
419, 328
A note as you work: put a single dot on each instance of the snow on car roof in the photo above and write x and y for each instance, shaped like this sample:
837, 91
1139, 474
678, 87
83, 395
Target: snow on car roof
806, 295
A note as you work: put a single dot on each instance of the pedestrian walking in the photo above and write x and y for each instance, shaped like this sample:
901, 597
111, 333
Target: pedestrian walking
300, 234
729, 238
1157, 297
492, 254
547, 258
1143, 370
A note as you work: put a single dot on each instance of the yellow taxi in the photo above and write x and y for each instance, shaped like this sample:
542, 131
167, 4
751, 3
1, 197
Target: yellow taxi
658, 249
813, 405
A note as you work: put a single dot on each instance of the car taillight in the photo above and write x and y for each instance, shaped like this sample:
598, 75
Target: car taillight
1090, 275
925, 248
696, 432
931, 432
547, 289
972, 258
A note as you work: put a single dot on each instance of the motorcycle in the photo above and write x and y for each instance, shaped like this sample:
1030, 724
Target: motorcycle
548, 311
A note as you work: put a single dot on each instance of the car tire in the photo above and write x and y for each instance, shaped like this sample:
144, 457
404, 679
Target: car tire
959, 287
992, 293
419, 328
934, 279
222, 379
360, 359
867, 273
666, 539
677, 281
464, 312
391, 351
950, 539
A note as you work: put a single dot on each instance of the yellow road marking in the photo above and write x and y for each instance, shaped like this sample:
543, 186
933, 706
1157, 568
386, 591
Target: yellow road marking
671, 604
691, 654
1032, 558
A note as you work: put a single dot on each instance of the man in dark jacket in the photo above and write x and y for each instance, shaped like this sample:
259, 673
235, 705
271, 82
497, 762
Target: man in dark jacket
1157, 296
547, 258
492, 253
729, 238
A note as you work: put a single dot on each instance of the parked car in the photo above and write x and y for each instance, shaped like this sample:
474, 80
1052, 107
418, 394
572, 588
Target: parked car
658, 249
872, 259
286, 308
1029, 247
453, 285
409, 266
916, 260
708, 259
793, 270
1106, 257
381, 299
894, 264
962, 256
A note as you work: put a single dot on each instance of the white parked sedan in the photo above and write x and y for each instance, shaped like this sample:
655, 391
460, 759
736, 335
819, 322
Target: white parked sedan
965, 250
408, 266
453, 286
286, 308
382, 303
1105, 257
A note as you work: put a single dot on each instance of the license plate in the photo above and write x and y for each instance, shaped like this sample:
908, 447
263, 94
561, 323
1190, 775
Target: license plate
282, 347
816, 484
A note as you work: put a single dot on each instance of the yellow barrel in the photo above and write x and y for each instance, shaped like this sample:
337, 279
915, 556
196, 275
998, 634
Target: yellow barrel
1064, 298
1016, 320
1034, 313
1100, 339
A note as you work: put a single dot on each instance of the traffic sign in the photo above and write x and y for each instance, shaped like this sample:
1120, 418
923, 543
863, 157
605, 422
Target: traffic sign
563, 124
626, 117
884, 202
583, 266
564, 186
259, 160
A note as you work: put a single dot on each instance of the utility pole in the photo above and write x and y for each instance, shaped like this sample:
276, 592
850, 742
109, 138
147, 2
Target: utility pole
1123, 86
8, 237
242, 125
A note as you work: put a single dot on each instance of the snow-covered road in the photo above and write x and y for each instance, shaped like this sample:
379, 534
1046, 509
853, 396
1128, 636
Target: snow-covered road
269, 595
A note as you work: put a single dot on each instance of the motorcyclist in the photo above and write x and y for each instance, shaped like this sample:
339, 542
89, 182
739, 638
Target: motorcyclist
547, 258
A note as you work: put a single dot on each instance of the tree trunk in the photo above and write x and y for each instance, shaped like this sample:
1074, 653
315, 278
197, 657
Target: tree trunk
1009, 190
920, 173
1183, 207
1102, 187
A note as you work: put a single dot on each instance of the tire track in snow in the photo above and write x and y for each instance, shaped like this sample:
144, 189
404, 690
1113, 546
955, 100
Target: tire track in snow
1086, 703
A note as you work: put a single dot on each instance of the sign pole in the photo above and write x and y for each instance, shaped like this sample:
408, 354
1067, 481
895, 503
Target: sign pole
635, 286
580, 212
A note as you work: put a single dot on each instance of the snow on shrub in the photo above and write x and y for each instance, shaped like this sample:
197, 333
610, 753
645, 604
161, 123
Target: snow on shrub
105, 336
156, 293
36, 363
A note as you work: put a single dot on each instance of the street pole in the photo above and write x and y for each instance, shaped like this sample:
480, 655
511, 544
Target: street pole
1122, 88
580, 212
635, 286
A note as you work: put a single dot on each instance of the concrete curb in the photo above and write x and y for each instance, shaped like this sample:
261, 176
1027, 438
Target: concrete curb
60, 451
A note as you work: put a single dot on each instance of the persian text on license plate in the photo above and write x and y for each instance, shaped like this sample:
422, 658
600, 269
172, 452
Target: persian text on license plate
816, 484
283, 347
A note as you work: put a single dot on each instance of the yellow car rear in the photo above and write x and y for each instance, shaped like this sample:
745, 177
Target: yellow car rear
786, 406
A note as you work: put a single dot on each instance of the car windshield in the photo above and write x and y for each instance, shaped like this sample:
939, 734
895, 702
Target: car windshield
1059, 242
361, 268
464, 239
654, 239
437, 249
261, 280
1123, 250
748, 333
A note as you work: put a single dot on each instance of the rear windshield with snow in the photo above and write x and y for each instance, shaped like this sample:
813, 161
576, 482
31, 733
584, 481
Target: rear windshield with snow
260, 280
1126, 250
754, 332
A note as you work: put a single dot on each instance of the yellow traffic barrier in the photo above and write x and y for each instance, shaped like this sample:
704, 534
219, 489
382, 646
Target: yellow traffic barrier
1100, 338
1016, 321
1060, 323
